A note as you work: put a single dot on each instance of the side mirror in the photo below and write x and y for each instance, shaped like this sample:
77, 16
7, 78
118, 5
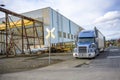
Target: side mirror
75, 49
96, 39
93, 43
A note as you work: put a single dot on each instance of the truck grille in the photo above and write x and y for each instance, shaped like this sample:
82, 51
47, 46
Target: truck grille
82, 49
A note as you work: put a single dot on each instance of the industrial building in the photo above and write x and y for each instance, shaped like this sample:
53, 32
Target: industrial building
64, 29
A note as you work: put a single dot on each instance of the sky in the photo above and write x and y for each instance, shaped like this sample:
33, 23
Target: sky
104, 14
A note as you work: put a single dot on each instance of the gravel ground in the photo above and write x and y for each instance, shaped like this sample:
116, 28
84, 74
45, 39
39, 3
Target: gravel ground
16, 64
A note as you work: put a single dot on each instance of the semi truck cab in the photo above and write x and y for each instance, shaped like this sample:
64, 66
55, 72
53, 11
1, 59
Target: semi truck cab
89, 43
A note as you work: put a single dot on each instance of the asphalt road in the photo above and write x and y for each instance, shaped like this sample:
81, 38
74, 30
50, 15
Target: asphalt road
106, 66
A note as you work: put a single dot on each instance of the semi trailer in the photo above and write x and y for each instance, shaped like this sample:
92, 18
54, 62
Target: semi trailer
89, 44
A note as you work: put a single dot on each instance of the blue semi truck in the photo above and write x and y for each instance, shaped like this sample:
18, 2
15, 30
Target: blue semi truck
89, 44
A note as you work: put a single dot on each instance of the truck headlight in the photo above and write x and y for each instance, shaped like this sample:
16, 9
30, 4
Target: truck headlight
89, 54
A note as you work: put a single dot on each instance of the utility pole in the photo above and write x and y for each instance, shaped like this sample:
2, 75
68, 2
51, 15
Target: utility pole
49, 36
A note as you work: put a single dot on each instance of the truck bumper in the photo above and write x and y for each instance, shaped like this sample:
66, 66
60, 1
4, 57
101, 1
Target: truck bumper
84, 55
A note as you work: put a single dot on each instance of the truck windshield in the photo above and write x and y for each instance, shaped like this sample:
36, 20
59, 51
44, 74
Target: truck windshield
86, 40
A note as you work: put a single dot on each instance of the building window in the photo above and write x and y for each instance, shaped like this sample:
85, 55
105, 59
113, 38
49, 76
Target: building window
74, 36
60, 33
68, 36
71, 36
64, 34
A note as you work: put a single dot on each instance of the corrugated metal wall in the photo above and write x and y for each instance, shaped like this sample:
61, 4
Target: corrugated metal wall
53, 19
